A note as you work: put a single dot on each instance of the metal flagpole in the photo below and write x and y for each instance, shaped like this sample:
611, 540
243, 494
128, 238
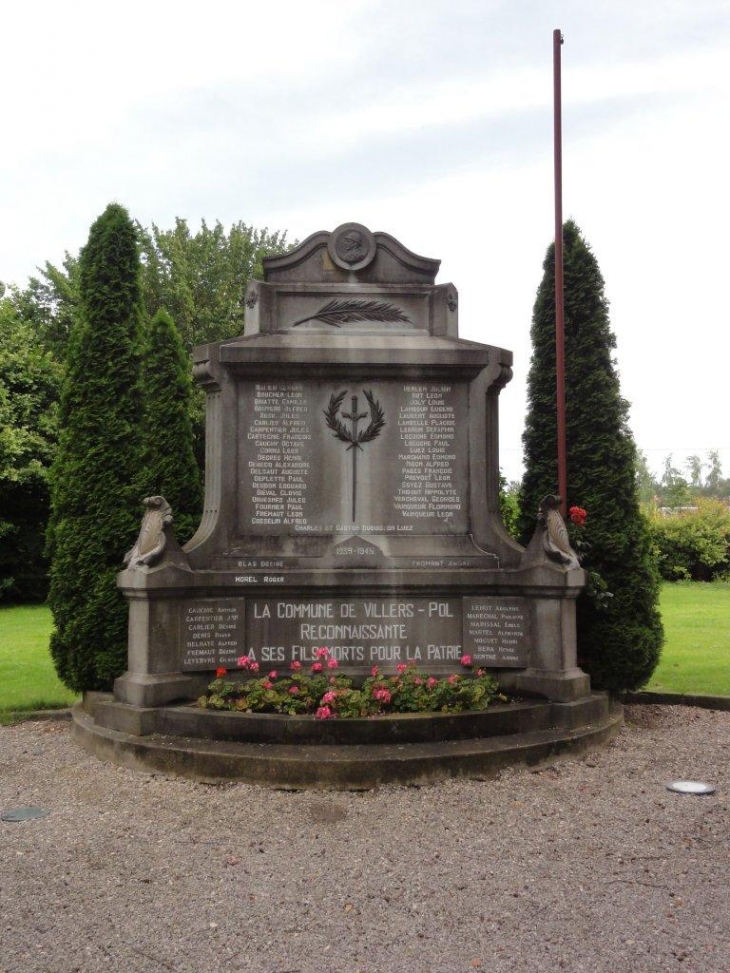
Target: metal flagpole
559, 301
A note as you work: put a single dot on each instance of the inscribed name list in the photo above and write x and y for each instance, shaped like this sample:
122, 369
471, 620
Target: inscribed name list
213, 633
497, 631
373, 457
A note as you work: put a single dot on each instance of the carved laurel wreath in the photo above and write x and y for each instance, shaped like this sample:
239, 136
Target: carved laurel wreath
338, 313
340, 430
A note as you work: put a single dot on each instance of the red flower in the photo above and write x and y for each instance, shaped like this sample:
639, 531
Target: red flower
220, 673
578, 516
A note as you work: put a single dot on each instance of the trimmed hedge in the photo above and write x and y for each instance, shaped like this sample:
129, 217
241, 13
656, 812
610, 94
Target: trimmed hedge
693, 544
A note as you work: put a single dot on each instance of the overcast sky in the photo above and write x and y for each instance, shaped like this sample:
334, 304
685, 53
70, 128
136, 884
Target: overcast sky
431, 120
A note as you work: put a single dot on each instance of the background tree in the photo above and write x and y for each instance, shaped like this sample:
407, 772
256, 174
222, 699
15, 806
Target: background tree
29, 383
646, 484
673, 487
200, 278
619, 638
95, 510
168, 465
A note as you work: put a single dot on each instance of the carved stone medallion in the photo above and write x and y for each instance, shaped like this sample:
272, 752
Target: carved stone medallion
351, 246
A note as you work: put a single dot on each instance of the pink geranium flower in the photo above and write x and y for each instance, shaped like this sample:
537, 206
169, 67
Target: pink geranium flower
323, 713
431, 682
267, 684
296, 665
418, 681
401, 667
317, 667
329, 697
453, 679
466, 660
382, 696
253, 666
321, 652
243, 661
332, 664
294, 690
374, 672
273, 674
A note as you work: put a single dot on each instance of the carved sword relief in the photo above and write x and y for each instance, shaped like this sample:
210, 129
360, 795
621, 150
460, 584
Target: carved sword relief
354, 437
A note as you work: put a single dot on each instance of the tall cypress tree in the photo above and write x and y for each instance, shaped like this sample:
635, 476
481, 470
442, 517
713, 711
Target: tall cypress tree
168, 465
619, 637
95, 510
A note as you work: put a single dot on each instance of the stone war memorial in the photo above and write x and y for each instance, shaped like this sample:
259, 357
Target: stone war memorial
351, 501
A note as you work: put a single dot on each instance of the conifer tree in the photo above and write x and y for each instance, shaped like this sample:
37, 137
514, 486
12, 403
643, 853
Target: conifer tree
168, 463
95, 508
619, 637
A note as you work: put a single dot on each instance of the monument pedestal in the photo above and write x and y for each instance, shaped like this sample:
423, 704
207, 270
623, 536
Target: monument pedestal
352, 502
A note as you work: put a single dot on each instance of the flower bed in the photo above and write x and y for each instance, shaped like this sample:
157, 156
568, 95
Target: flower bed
326, 694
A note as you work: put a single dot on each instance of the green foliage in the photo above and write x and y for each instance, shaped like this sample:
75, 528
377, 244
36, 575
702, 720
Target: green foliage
693, 544
200, 278
94, 504
29, 383
168, 464
509, 505
619, 638
326, 694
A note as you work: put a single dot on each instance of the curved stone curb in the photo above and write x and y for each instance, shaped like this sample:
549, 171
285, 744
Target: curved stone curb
35, 715
680, 699
358, 767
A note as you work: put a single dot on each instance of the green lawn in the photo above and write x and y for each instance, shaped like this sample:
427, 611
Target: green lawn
696, 657
27, 677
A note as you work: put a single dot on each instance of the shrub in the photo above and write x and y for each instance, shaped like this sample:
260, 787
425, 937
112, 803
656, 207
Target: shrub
693, 544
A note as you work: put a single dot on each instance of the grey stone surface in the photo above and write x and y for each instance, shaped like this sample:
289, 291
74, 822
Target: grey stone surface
351, 492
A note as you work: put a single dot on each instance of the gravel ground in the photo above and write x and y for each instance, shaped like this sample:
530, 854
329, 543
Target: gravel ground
588, 865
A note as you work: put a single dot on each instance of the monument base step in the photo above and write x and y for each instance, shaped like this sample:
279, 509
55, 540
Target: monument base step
349, 766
